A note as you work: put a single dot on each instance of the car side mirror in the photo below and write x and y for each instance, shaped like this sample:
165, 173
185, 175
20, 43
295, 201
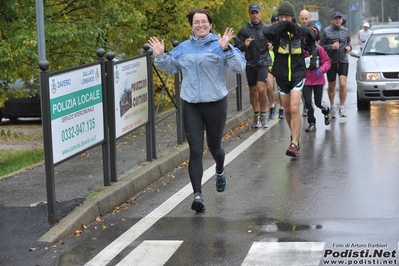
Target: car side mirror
355, 53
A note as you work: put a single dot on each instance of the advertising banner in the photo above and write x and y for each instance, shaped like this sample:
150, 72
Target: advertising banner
76, 111
131, 95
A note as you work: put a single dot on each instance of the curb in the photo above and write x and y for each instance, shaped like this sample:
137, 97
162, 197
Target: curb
114, 195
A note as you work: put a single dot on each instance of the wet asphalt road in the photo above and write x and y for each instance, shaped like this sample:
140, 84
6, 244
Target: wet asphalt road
341, 190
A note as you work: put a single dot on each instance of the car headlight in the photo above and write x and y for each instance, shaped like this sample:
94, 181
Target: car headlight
370, 76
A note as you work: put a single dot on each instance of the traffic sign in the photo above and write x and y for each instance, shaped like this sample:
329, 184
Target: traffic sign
353, 7
312, 7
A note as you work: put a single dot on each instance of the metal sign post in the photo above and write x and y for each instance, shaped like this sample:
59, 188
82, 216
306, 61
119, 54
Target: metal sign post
47, 143
41, 40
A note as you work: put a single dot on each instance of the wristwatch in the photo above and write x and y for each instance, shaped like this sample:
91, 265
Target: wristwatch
227, 49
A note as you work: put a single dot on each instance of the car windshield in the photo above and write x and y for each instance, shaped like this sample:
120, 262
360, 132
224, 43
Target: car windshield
382, 44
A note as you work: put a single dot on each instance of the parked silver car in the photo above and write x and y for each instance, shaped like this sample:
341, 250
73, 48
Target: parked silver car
377, 69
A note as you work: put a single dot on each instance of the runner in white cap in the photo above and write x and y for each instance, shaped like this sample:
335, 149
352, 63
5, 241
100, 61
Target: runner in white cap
364, 34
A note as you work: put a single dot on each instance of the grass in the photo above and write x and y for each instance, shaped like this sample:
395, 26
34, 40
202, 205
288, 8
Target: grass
14, 160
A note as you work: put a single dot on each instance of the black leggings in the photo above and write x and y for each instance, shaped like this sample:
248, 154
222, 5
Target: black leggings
318, 95
210, 117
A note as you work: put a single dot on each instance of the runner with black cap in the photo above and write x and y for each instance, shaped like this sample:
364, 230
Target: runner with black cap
251, 41
336, 40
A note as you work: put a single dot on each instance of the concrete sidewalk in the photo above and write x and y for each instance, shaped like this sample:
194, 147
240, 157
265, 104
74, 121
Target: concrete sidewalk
80, 194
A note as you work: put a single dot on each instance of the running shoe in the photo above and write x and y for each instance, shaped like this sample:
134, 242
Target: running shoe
271, 112
293, 150
327, 118
221, 182
299, 146
342, 112
311, 128
198, 203
264, 121
281, 114
256, 123
333, 112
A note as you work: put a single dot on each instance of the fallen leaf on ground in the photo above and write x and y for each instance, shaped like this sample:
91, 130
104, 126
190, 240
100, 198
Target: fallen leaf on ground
78, 233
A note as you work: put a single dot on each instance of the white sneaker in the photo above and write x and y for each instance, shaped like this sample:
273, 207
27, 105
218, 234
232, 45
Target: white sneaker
342, 112
333, 112
256, 123
264, 121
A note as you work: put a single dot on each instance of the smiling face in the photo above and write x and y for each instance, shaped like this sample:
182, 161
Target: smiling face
201, 26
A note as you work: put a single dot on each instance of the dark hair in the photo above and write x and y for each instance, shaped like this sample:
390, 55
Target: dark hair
316, 31
199, 11
343, 22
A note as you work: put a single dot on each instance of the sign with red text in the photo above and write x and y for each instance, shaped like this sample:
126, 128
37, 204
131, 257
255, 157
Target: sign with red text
131, 95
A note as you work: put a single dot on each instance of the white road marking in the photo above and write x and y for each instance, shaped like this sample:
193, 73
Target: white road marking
284, 253
154, 253
113, 249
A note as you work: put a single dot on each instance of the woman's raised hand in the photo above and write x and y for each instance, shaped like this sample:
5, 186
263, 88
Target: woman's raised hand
156, 45
227, 36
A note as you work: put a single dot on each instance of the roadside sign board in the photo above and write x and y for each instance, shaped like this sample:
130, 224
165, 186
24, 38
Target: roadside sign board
130, 94
314, 16
76, 110
312, 7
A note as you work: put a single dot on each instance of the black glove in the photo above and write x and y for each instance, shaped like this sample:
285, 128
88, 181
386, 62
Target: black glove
287, 25
291, 26
313, 64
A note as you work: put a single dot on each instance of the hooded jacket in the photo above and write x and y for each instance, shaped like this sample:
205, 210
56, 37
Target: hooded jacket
325, 64
332, 34
202, 63
257, 53
289, 40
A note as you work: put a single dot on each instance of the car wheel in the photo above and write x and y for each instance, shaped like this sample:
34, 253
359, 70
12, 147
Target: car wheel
362, 104
1, 115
